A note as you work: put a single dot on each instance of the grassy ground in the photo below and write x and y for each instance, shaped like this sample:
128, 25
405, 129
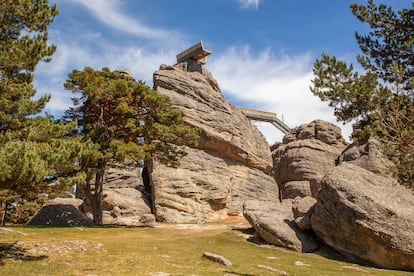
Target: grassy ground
173, 249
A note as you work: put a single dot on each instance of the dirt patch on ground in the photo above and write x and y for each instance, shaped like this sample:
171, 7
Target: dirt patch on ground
39, 250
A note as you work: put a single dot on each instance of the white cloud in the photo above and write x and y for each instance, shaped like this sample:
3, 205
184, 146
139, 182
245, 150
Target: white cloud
269, 82
143, 60
245, 4
264, 81
109, 13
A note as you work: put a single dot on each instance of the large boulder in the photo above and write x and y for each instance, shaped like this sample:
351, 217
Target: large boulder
307, 153
274, 223
367, 216
368, 155
61, 212
231, 164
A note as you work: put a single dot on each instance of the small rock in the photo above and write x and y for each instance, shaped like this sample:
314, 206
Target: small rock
355, 268
217, 258
298, 263
277, 271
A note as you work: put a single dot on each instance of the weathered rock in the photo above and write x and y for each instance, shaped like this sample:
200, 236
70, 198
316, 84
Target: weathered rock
302, 211
271, 269
217, 258
125, 206
123, 176
367, 216
124, 201
368, 155
224, 127
274, 222
307, 153
293, 189
231, 164
205, 188
61, 212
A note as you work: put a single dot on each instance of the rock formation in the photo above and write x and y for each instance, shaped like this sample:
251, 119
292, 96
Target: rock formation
307, 153
367, 216
274, 222
303, 208
125, 202
231, 164
61, 212
368, 155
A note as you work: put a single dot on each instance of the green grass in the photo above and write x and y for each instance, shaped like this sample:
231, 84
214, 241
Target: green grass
168, 248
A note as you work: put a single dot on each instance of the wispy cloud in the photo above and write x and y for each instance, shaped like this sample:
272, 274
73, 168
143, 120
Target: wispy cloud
246, 4
110, 13
143, 60
275, 83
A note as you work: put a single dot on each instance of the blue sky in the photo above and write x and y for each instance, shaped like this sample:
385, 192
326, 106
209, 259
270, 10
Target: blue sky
263, 50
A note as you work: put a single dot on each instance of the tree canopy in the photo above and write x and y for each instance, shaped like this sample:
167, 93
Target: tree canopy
126, 121
33, 148
23, 44
381, 99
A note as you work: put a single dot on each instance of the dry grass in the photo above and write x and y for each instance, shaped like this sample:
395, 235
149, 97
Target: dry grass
173, 249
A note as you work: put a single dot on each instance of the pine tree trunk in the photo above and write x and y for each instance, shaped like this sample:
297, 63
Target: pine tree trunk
3, 214
97, 209
96, 199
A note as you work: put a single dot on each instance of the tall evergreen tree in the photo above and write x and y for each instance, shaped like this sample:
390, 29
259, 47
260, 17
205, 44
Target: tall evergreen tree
126, 121
381, 100
23, 44
32, 148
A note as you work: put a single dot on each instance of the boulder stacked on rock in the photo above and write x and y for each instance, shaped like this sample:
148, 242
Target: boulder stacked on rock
367, 216
368, 155
275, 223
231, 164
357, 209
307, 153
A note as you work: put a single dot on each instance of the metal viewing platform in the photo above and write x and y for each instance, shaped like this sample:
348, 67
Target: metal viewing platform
263, 116
197, 52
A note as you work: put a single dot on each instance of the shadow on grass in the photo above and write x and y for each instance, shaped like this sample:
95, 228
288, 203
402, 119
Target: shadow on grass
251, 235
324, 251
104, 226
241, 274
16, 252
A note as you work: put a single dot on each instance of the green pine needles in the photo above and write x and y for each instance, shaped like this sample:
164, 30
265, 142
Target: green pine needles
381, 100
126, 121
115, 120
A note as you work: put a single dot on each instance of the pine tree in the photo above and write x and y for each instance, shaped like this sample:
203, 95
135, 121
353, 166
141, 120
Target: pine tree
381, 100
126, 121
33, 148
23, 44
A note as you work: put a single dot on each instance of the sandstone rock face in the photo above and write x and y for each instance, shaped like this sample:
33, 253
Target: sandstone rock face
303, 208
206, 187
274, 222
307, 153
225, 129
367, 216
61, 212
231, 164
368, 155
125, 202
